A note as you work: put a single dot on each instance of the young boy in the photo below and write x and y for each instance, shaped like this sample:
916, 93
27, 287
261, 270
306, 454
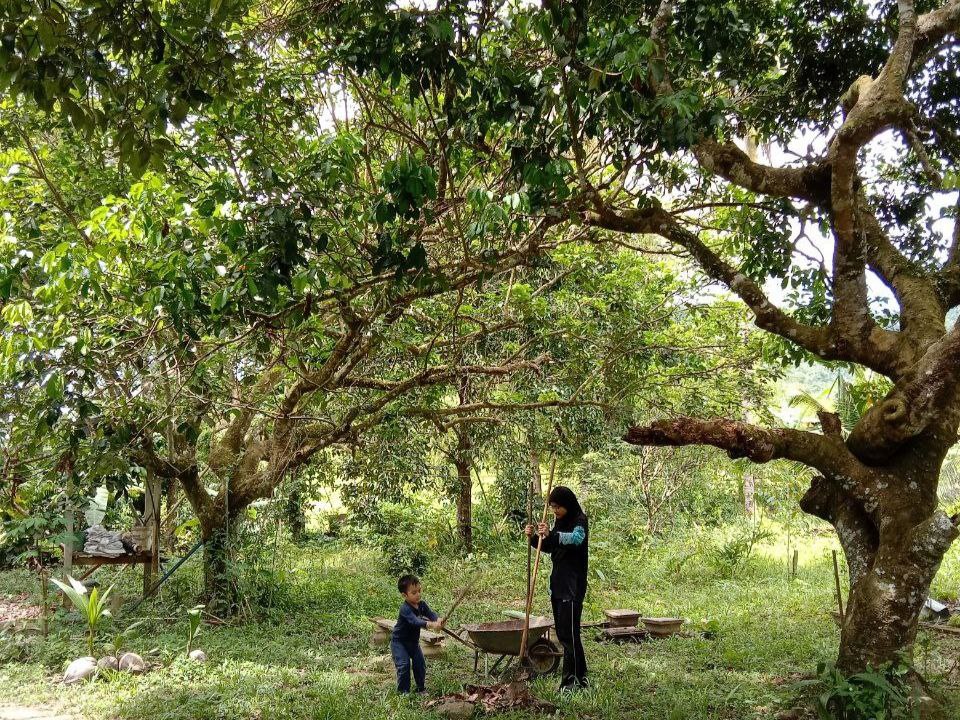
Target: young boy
405, 642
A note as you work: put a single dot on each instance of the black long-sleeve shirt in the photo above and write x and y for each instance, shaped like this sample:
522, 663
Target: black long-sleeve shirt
411, 620
569, 553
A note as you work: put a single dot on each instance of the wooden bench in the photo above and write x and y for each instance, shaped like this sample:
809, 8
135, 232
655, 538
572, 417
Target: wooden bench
430, 642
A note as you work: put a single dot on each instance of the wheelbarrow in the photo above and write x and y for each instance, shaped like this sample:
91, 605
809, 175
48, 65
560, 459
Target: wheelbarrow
503, 639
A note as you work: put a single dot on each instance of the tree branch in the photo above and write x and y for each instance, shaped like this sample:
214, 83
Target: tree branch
921, 309
933, 26
442, 373
926, 401
224, 452
880, 351
658, 31
827, 454
871, 106
810, 183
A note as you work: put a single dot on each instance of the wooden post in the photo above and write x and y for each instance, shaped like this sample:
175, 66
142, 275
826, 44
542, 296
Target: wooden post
836, 580
151, 520
796, 557
45, 611
529, 544
68, 545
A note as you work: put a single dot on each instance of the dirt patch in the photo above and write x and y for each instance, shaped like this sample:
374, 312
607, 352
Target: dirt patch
24, 712
16, 609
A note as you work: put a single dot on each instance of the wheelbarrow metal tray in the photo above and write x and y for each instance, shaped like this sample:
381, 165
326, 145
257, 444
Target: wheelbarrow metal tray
503, 638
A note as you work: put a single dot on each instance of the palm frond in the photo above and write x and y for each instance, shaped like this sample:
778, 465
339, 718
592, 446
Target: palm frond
805, 401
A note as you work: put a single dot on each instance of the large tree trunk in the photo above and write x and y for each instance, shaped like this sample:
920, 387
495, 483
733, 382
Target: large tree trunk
884, 512
890, 569
882, 613
218, 516
219, 584
464, 502
170, 531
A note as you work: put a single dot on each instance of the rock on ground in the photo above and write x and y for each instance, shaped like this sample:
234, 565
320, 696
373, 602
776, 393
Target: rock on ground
108, 663
198, 655
455, 709
79, 669
132, 663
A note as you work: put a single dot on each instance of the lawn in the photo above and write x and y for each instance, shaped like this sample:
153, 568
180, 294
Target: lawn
305, 651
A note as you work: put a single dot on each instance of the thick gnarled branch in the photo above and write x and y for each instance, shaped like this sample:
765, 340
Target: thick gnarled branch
829, 455
879, 349
810, 183
225, 451
925, 402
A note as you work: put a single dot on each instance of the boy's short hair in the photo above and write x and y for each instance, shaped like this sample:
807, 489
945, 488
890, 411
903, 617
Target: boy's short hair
406, 582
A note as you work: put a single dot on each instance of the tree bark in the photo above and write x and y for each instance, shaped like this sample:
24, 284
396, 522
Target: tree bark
170, 531
296, 515
885, 516
890, 573
464, 502
748, 490
219, 585
535, 473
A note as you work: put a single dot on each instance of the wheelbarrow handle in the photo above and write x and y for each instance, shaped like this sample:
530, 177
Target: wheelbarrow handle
459, 639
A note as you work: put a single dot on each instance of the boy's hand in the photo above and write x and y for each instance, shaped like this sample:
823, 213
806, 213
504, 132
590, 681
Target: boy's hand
434, 624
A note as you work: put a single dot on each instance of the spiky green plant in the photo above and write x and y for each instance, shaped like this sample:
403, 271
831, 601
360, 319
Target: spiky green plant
193, 617
91, 605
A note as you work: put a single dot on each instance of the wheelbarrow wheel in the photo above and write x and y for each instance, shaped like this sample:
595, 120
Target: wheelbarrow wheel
543, 657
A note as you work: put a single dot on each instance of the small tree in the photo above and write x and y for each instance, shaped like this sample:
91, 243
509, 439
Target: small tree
91, 605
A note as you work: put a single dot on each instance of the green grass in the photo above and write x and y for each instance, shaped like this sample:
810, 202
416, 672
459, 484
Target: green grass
308, 655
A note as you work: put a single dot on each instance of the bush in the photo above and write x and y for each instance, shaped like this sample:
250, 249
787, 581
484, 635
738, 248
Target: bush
869, 695
650, 491
736, 548
410, 534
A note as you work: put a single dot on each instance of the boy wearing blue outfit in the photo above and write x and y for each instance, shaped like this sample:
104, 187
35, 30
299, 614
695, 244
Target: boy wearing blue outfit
405, 641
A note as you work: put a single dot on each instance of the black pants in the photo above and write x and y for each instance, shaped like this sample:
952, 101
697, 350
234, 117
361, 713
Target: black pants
407, 656
566, 617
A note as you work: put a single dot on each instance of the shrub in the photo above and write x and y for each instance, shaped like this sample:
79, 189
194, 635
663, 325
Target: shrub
875, 694
409, 534
736, 548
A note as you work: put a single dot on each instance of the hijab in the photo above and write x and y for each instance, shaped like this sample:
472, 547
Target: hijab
565, 498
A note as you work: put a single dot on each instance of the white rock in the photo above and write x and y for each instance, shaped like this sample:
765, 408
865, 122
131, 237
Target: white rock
79, 669
109, 662
198, 655
132, 663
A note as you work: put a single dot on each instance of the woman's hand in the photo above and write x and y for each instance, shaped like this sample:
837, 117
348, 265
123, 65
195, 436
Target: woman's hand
528, 530
543, 530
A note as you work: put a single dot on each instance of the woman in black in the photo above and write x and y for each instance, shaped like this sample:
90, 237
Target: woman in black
566, 544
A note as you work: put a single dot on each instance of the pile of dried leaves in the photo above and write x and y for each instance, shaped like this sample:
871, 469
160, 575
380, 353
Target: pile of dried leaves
17, 608
493, 698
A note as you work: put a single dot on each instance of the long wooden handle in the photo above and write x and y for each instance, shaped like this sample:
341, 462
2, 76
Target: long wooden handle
526, 589
460, 597
459, 639
536, 563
